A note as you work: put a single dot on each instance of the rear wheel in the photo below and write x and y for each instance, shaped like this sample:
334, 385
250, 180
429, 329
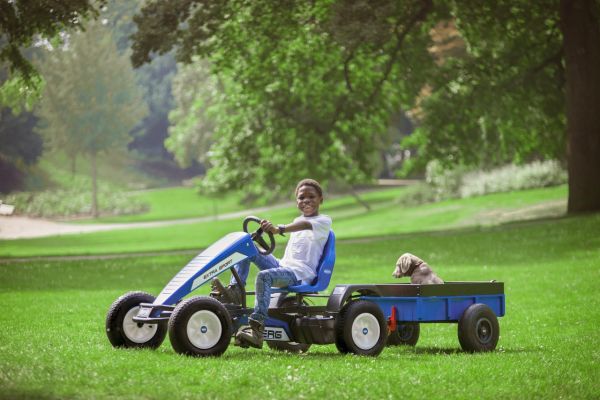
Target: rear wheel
478, 329
123, 331
361, 329
406, 334
201, 327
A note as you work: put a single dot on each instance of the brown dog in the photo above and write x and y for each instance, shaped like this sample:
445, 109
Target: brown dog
418, 270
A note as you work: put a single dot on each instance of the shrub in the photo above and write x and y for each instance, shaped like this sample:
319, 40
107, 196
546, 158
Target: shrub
537, 174
443, 184
74, 201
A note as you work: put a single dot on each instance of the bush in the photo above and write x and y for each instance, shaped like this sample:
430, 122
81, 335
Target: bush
74, 201
414, 195
537, 174
441, 183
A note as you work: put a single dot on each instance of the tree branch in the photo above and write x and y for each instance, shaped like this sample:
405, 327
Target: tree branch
416, 18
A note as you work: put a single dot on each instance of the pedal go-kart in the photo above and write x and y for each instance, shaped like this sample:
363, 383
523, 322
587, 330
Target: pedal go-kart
359, 318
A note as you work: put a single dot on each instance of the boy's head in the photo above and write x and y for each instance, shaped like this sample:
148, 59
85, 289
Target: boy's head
309, 196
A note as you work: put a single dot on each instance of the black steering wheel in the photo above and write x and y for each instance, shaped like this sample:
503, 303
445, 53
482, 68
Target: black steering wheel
263, 247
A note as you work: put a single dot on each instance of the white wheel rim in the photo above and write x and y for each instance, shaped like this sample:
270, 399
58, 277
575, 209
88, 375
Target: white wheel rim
137, 333
204, 329
365, 331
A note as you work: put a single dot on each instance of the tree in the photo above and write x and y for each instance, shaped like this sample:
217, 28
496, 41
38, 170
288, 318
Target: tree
294, 102
23, 22
192, 127
328, 76
20, 147
90, 102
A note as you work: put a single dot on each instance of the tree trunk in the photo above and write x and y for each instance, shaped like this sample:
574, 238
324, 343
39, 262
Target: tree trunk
94, 188
580, 24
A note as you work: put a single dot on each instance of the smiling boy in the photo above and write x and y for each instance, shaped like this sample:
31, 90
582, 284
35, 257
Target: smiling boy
308, 235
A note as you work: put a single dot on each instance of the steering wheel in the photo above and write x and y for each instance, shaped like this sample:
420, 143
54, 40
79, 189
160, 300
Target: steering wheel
263, 247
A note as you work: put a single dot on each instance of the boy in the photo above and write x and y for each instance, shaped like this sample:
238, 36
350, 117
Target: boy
308, 235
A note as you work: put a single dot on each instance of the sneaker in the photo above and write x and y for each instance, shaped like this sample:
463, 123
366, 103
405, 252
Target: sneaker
230, 294
252, 337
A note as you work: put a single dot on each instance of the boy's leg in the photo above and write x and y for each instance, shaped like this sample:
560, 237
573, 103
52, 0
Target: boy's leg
262, 262
233, 293
274, 277
265, 280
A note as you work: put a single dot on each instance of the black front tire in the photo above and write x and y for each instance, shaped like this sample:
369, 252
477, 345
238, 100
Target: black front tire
361, 329
122, 331
200, 327
478, 329
406, 334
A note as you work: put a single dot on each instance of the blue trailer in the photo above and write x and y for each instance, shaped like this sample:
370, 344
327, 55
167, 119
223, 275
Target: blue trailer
359, 318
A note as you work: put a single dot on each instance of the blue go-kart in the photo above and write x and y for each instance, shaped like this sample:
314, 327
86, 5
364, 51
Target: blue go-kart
359, 318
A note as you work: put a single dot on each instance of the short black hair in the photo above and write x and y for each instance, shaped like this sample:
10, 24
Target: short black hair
310, 182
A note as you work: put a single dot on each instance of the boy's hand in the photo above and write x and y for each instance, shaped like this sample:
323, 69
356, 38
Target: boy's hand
267, 226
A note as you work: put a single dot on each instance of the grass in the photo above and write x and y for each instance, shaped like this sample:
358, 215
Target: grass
177, 203
350, 220
53, 344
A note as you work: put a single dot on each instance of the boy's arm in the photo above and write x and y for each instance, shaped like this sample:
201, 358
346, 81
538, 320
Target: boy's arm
268, 226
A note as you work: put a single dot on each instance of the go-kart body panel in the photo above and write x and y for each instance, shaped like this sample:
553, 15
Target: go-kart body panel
216, 259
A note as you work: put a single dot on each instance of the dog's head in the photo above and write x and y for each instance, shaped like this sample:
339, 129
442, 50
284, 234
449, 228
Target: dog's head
404, 263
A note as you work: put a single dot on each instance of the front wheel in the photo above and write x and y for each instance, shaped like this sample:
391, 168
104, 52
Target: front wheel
478, 329
123, 331
200, 327
361, 329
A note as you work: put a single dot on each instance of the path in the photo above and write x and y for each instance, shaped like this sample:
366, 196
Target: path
15, 227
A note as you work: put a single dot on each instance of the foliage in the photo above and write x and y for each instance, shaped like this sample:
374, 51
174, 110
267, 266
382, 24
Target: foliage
192, 126
74, 201
24, 21
503, 100
97, 87
19, 94
443, 183
20, 148
300, 97
537, 174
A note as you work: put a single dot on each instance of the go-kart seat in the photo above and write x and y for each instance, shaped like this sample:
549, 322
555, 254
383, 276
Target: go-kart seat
324, 271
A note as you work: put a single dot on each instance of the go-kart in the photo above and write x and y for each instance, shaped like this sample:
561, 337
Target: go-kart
359, 318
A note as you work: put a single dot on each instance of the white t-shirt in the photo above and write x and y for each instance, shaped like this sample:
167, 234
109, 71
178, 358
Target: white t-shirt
304, 249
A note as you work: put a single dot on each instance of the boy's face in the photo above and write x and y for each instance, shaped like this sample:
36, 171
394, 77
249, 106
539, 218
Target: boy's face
308, 201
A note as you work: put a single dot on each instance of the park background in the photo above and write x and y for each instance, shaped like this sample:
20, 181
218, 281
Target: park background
149, 129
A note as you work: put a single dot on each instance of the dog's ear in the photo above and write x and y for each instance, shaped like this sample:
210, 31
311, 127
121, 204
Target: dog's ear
404, 262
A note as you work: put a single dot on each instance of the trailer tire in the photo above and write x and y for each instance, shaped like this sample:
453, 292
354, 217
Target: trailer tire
290, 347
200, 327
361, 329
122, 331
478, 329
406, 334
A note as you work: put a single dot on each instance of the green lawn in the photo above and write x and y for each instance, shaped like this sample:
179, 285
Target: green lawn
53, 345
178, 203
350, 220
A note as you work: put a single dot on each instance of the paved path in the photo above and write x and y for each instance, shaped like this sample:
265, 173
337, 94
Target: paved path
15, 227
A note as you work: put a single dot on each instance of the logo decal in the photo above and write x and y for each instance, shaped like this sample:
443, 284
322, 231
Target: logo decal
272, 333
217, 269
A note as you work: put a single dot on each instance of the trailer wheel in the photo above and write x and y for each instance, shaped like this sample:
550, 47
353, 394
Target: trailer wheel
292, 347
405, 334
122, 331
361, 329
478, 329
200, 327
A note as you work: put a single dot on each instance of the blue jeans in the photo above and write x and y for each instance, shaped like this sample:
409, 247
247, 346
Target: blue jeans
270, 275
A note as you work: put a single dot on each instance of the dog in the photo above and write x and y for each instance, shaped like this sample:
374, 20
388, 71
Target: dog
418, 270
